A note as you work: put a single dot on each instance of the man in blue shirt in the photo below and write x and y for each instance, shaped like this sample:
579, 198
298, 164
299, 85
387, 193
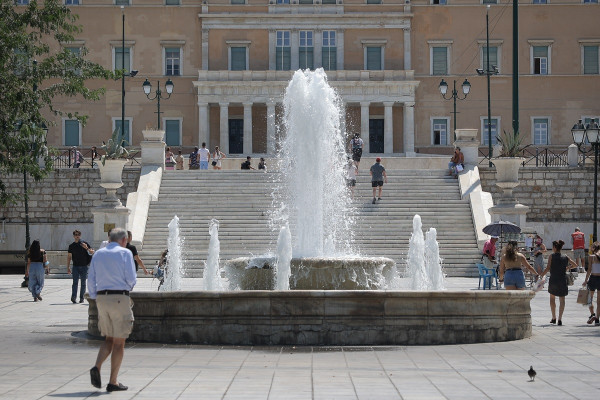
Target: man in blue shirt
111, 277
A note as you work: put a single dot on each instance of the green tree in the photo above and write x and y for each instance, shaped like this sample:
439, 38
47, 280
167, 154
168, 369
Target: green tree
35, 68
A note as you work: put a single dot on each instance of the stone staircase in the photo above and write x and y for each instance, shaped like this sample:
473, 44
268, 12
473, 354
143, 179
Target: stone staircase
241, 201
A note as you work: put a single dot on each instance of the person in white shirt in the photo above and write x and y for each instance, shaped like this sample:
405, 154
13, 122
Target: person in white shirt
111, 277
204, 156
351, 172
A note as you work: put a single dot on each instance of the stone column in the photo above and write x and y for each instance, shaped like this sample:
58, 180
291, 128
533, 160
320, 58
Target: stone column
339, 43
409, 129
407, 60
272, 50
205, 49
271, 128
295, 47
203, 125
388, 128
224, 128
247, 128
364, 125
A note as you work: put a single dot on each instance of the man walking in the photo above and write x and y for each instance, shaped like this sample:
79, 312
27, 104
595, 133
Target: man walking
112, 277
80, 252
578, 240
378, 176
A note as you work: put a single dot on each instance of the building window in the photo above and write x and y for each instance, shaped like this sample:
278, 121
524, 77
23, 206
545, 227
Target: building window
21, 2
373, 58
305, 51
591, 60
238, 1
76, 52
438, 1
122, 59
116, 124
328, 2
172, 2
540, 60
373, 1
541, 128
439, 60
540, 1
283, 1
494, 60
439, 131
122, 2
305, 1
283, 51
71, 2
71, 132
238, 59
172, 131
21, 62
484, 131
173, 61
329, 51
489, 1
590, 1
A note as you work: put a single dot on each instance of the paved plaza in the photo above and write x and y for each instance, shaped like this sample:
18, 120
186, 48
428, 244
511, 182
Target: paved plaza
46, 354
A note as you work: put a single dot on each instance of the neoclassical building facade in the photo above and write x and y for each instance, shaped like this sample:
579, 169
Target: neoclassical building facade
230, 61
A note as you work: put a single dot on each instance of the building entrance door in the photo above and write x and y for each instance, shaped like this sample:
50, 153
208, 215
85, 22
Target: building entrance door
236, 136
376, 136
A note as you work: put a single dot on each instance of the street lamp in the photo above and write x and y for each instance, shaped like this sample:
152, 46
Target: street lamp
466, 88
590, 134
123, 74
488, 72
158, 94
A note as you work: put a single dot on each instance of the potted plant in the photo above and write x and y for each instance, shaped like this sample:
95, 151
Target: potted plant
111, 166
508, 162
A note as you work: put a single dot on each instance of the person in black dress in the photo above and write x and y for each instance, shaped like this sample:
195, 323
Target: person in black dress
558, 265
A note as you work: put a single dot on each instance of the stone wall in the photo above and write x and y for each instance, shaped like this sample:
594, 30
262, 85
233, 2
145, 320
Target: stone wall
553, 194
65, 196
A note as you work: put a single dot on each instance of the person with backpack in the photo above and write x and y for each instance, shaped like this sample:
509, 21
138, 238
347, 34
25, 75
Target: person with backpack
356, 146
80, 252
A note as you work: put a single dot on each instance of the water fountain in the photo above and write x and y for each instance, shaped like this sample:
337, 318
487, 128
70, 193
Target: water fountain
325, 308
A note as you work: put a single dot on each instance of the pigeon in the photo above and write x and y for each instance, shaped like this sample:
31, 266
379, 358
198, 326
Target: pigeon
531, 373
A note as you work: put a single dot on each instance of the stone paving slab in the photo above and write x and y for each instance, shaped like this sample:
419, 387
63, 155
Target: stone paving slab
46, 355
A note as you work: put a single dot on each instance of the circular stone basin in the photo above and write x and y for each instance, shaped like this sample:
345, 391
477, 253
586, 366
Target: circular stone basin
328, 317
314, 273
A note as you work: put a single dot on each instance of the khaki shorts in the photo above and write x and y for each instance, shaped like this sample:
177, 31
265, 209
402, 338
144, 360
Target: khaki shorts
115, 315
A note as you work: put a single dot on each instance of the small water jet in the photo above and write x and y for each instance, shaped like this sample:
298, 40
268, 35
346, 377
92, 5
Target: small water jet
212, 271
174, 270
284, 258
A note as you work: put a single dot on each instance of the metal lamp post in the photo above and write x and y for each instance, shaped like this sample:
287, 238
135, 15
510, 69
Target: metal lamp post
123, 74
158, 94
466, 88
591, 135
489, 71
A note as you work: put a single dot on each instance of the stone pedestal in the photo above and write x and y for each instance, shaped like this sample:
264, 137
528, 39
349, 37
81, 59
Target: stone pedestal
111, 214
573, 155
466, 139
153, 148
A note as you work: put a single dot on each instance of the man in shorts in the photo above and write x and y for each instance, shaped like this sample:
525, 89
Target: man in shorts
578, 240
378, 176
111, 278
204, 156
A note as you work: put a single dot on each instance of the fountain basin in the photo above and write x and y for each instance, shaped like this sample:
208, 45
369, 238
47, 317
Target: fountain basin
318, 317
308, 273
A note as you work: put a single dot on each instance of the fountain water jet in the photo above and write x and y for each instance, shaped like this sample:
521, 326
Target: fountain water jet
212, 271
174, 272
284, 259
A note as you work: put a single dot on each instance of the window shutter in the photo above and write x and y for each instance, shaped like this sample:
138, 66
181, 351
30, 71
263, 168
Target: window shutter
71, 133
238, 58
539, 51
440, 60
590, 60
172, 132
329, 58
374, 58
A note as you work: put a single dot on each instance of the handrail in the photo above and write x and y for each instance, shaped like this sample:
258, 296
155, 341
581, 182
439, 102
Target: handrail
544, 157
66, 158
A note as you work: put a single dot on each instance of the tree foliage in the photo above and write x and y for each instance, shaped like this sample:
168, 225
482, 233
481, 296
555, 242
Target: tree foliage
36, 67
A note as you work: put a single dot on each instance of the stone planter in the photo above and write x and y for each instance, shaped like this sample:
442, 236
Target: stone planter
153, 135
153, 148
507, 176
110, 179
